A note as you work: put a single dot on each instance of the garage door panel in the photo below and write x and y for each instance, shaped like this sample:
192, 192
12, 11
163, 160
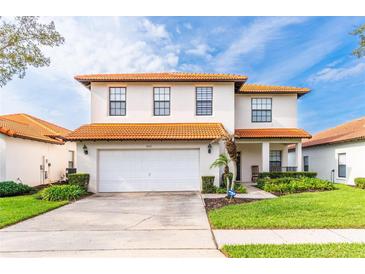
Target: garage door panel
148, 170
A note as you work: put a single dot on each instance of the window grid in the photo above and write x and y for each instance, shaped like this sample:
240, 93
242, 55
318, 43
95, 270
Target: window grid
261, 110
204, 101
117, 101
306, 163
161, 101
275, 160
342, 165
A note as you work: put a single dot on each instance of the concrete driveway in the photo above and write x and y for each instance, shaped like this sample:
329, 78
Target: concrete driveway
122, 224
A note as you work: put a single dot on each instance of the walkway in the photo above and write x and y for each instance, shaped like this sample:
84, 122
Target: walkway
252, 193
288, 236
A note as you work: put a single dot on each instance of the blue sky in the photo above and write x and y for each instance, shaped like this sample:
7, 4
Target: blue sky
313, 52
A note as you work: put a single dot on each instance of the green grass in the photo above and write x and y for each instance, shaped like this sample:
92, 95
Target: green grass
18, 208
342, 250
341, 208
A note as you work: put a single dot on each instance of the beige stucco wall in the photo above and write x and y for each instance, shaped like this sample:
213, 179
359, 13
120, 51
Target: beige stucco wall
284, 111
140, 103
21, 158
251, 154
89, 163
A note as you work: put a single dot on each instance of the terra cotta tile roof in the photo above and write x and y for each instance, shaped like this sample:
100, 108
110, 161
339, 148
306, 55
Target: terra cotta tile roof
29, 127
161, 76
258, 88
350, 131
153, 131
271, 133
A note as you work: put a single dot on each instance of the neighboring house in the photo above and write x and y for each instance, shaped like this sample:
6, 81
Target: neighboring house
156, 131
33, 151
337, 153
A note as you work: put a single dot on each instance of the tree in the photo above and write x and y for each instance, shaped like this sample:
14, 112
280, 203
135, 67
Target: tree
223, 161
20, 45
360, 51
231, 149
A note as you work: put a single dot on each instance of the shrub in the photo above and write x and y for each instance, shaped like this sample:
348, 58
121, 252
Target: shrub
292, 174
208, 184
239, 188
294, 185
221, 190
360, 182
62, 193
80, 179
10, 188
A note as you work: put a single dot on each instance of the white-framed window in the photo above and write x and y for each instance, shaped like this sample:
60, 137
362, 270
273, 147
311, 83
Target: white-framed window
306, 163
261, 110
117, 101
161, 101
204, 101
275, 160
341, 165
71, 159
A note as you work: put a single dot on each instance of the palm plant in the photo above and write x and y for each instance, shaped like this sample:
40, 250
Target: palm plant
231, 148
224, 160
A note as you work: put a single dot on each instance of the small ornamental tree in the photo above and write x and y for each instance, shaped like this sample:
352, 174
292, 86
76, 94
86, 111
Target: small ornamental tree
20, 45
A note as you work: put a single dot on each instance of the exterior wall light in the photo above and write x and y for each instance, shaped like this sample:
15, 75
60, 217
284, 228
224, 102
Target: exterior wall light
85, 150
210, 148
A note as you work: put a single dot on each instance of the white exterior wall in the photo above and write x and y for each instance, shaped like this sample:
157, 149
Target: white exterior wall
323, 159
89, 163
139, 103
21, 158
284, 111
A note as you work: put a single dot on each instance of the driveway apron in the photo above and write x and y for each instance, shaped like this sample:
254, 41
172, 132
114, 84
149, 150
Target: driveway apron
119, 224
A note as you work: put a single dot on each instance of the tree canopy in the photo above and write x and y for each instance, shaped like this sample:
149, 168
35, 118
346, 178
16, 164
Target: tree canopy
360, 51
20, 45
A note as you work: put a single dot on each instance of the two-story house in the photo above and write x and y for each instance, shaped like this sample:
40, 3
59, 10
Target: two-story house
159, 131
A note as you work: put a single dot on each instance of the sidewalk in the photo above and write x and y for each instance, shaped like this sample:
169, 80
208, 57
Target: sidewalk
252, 193
288, 236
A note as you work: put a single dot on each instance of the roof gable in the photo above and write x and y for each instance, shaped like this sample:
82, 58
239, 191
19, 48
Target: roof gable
350, 131
29, 127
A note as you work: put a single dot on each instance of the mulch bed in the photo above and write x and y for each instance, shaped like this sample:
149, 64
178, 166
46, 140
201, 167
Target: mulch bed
214, 203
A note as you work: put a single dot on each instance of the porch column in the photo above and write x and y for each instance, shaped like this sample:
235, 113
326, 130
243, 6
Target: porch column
299, 157
284, 160
265, 156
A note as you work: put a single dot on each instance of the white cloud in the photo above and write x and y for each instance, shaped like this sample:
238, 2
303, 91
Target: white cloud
330, 74
200, 49
154, 30
254, 39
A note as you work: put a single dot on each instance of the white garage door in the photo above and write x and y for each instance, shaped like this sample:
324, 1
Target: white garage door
148, 170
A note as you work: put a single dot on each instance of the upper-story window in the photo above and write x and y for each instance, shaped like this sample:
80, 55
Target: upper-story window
117, 101
161, 101
261, 110
204, 101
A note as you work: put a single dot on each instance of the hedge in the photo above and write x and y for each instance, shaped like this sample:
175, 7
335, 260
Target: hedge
360, 182
80, 179
294, 185
208, 184
10, 188
292, 174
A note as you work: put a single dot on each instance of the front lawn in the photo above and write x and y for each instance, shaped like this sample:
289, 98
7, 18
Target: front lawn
341, 208
342, 250
15, 209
